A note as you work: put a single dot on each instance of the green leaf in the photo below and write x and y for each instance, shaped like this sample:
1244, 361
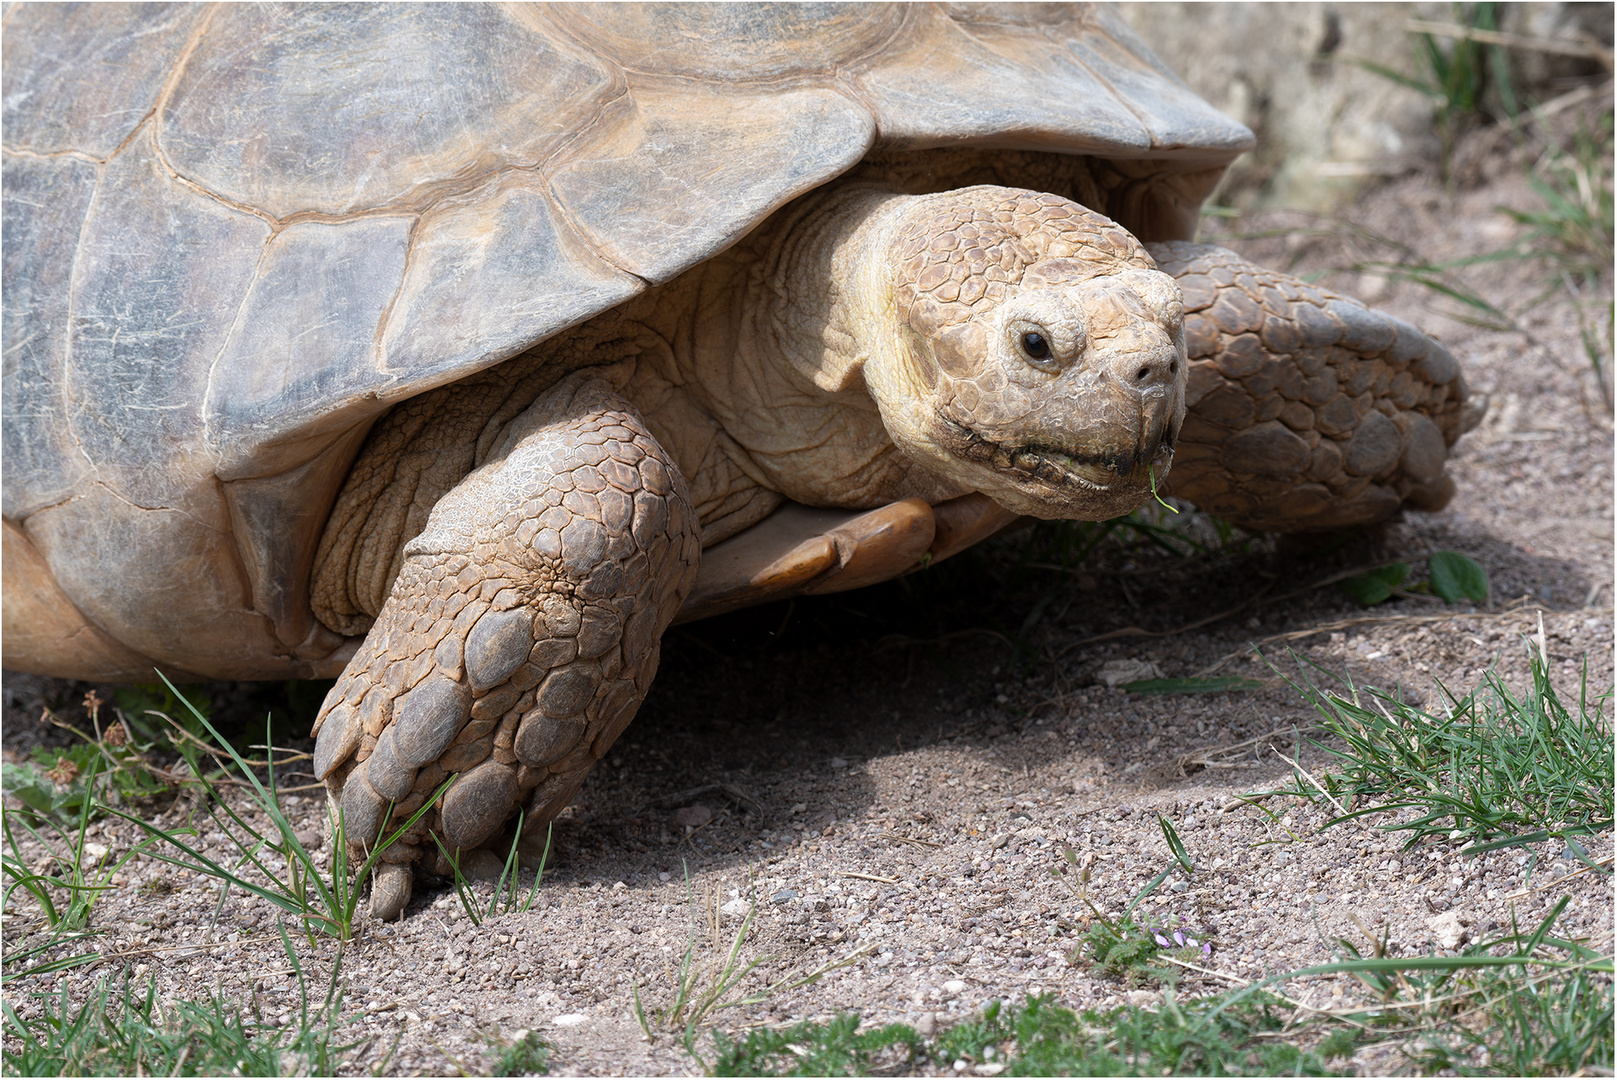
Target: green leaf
1377, 585
1454, 575
1400, 78
1218, 685
1367, 590
1175, 845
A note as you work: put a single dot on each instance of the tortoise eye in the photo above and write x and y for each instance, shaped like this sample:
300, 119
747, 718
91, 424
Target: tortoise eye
1035, 346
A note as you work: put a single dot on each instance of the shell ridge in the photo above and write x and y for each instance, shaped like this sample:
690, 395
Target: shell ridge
385, 318
561, 153
30, 154
160, 107
581, 237
166, 91
212, 435
1111, 87
74, 282
540, 170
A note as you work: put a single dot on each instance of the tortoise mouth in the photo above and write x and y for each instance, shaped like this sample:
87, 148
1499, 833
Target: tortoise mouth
1063, 467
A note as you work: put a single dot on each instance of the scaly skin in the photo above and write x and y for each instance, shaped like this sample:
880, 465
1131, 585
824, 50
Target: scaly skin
520, 635
1308, 410
940, 291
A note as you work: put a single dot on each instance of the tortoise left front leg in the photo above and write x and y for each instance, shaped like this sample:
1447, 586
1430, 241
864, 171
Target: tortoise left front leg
1306, 409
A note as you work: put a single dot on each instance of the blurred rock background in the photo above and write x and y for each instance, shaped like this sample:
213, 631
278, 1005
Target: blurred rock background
1304, 78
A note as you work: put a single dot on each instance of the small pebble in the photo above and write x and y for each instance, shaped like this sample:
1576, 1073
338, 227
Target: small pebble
954, 986
569, 1019
692, 817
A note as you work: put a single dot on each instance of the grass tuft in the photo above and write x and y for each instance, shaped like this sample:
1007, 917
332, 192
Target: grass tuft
507, 896
525, 1055
701, 986
65, 884
132, 1032
1493, 768
277, 867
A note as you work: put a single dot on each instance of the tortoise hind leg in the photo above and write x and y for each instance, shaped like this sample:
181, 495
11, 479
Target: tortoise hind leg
1307, 410
519, 636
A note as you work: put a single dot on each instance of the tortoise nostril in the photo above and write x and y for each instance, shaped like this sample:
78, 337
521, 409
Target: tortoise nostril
1142, 375
1173, 367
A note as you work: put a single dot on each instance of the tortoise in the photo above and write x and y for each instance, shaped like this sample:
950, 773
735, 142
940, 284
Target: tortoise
456, 352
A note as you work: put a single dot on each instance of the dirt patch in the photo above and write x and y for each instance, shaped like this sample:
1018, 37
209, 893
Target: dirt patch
895, 773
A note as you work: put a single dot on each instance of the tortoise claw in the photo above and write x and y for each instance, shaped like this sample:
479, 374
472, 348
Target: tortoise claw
390, 891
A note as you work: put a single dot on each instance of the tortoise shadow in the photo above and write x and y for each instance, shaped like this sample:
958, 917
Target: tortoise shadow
771, 718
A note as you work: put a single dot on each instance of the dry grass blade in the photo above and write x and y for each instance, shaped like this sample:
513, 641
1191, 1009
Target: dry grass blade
1223, 756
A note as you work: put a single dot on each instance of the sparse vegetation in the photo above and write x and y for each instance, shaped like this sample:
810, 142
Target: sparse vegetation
1208, 1037
126, 1029
1518, 1005
1466, 80
1119, 945
66, 884
506, 896
1493, 767
525, 1054
708, 979
324, 901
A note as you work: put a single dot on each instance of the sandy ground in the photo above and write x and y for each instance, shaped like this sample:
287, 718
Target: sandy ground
891, 774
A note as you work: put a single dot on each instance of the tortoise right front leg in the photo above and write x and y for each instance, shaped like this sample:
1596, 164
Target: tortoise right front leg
518, 639
1306, 409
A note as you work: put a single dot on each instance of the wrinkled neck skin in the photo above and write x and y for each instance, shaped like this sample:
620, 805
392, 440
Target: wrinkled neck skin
789, 387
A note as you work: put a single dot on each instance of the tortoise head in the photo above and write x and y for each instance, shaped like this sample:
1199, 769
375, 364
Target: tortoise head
1039, 354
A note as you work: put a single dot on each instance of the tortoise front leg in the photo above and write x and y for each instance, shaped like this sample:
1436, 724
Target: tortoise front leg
519, 637
1307, 410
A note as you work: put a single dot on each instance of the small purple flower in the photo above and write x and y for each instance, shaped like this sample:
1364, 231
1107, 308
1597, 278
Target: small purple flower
1181, 939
